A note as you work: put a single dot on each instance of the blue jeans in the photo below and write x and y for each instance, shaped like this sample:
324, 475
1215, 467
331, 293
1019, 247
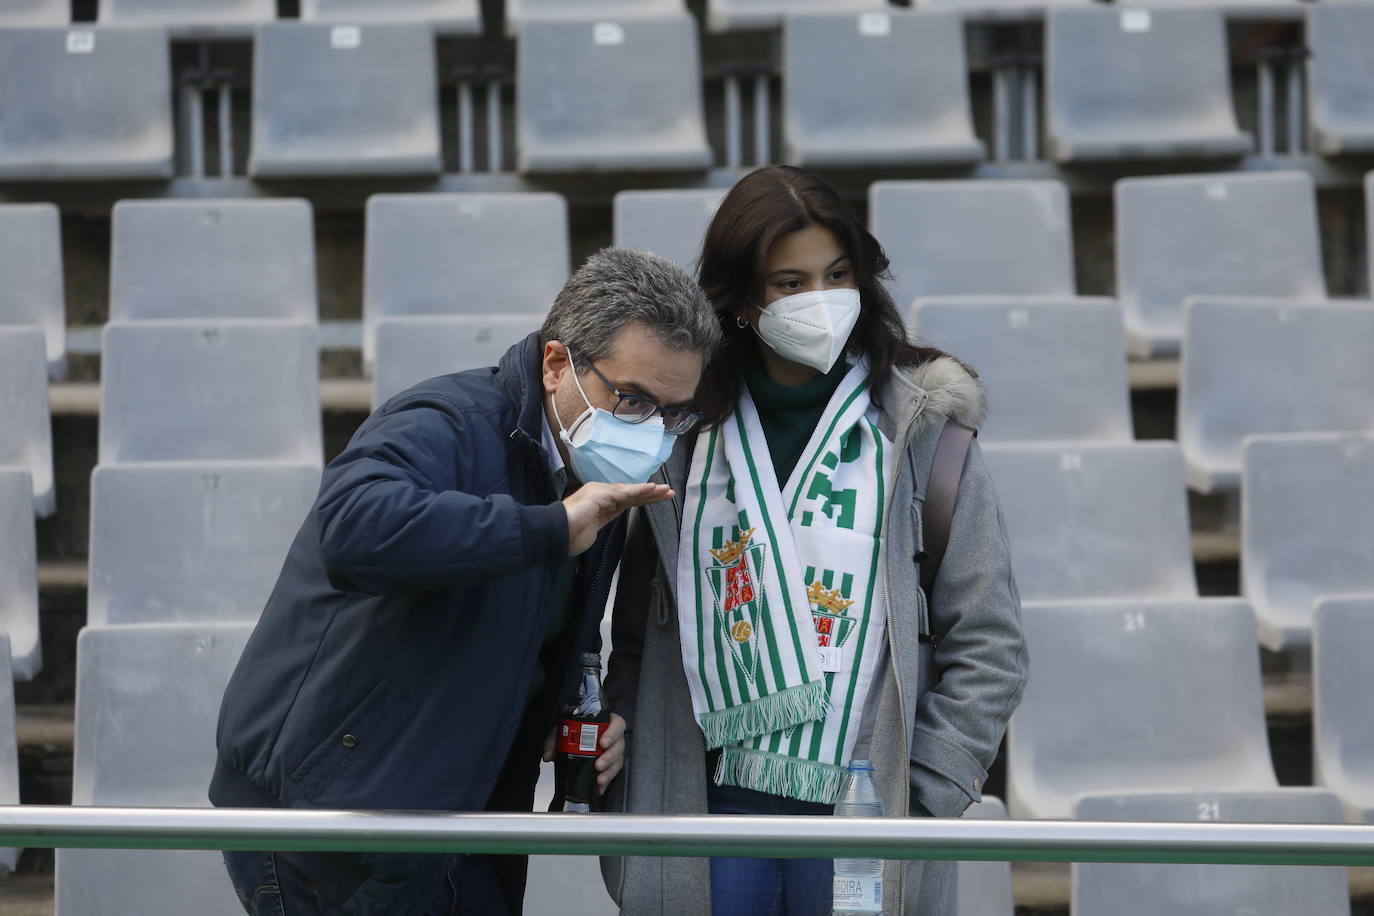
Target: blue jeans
282, 884
767, 887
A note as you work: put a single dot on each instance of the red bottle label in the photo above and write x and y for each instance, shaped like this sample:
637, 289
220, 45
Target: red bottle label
580, 738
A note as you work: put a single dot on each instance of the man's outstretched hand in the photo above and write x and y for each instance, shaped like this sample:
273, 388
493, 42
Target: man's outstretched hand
593, 505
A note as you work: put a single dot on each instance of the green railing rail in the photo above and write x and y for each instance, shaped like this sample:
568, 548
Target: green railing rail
720, 835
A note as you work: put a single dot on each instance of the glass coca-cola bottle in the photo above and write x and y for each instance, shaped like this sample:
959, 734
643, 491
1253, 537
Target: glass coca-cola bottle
582, 720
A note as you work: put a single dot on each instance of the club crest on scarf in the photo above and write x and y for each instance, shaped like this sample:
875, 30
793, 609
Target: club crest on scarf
739, 594
829, 610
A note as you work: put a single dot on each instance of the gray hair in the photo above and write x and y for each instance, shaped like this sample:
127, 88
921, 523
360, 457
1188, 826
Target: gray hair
617, 286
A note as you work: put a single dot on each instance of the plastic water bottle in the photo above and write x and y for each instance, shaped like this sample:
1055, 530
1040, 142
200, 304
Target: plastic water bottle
858, 885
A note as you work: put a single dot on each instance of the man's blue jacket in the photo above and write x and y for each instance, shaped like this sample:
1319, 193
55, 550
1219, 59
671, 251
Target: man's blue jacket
391, 664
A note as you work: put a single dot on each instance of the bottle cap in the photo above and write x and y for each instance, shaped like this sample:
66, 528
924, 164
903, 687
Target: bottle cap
589, 660
861, 765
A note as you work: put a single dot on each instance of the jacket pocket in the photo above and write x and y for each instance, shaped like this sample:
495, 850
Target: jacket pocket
361, 734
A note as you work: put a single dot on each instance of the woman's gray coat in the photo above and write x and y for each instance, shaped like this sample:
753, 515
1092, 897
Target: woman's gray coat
949, 735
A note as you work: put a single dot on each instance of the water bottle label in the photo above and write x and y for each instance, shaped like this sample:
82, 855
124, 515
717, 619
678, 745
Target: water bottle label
584, 738
858, 894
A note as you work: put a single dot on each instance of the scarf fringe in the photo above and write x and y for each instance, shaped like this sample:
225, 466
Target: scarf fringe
772, 713
793, 777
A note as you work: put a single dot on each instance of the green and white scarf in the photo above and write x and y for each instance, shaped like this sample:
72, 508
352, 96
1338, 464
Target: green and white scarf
780, 605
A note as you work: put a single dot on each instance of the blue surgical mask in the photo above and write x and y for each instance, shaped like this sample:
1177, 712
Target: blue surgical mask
605, 449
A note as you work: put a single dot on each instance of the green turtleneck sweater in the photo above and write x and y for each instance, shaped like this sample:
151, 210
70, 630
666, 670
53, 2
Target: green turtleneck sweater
789, 413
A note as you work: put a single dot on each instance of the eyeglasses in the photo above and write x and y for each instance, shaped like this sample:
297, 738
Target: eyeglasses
635, 408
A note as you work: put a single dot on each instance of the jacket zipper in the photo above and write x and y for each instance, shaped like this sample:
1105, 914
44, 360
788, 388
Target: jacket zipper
891, 646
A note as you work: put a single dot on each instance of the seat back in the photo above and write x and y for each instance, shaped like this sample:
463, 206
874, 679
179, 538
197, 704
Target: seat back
950, 238
194, 543
462, 254
1136, 889
26, 432
147, 701
213, 259
411, 350
1137, 696
1136, 83
671, 224
1307, 527
19, 574
833, 117
332, 100
596, 95
1264, 366
1342, 682
1054, 369
85, 103
1340, 77
246, 391
1095, 520
448, 17
31, 263
1211, 235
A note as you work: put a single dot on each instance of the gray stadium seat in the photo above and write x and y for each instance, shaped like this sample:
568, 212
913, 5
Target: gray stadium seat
31, 263
191, 17
1101, 889
35, 12
1135, 83
462, 254
412, 349
668, 223
730, 15
19, 573
332, 100
834, 118
213, 259
1259, 366
610, 96
985, 887
518, 11
1090, 521
1340, 77
85, 103
1054, 368
1211, 235
147, 699
1135, 696
1306, 507
1271, 10
954, 238
178, 543
9, 747
244, 391
448, 17
1342, 683
997, 9
26, 431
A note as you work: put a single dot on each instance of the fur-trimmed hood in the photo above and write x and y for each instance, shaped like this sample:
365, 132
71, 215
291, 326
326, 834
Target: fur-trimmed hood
940, 388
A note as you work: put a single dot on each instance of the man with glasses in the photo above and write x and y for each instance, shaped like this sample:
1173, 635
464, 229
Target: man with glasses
456, 562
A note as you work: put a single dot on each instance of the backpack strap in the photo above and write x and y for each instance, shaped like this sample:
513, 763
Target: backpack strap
941, 492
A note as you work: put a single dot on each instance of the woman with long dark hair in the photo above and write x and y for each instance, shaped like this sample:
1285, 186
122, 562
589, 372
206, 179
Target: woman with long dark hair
771, 626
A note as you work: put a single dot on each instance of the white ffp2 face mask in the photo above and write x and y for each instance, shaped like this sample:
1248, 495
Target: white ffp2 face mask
811, 328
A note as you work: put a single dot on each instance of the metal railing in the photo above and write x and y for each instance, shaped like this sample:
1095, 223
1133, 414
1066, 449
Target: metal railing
717, 835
